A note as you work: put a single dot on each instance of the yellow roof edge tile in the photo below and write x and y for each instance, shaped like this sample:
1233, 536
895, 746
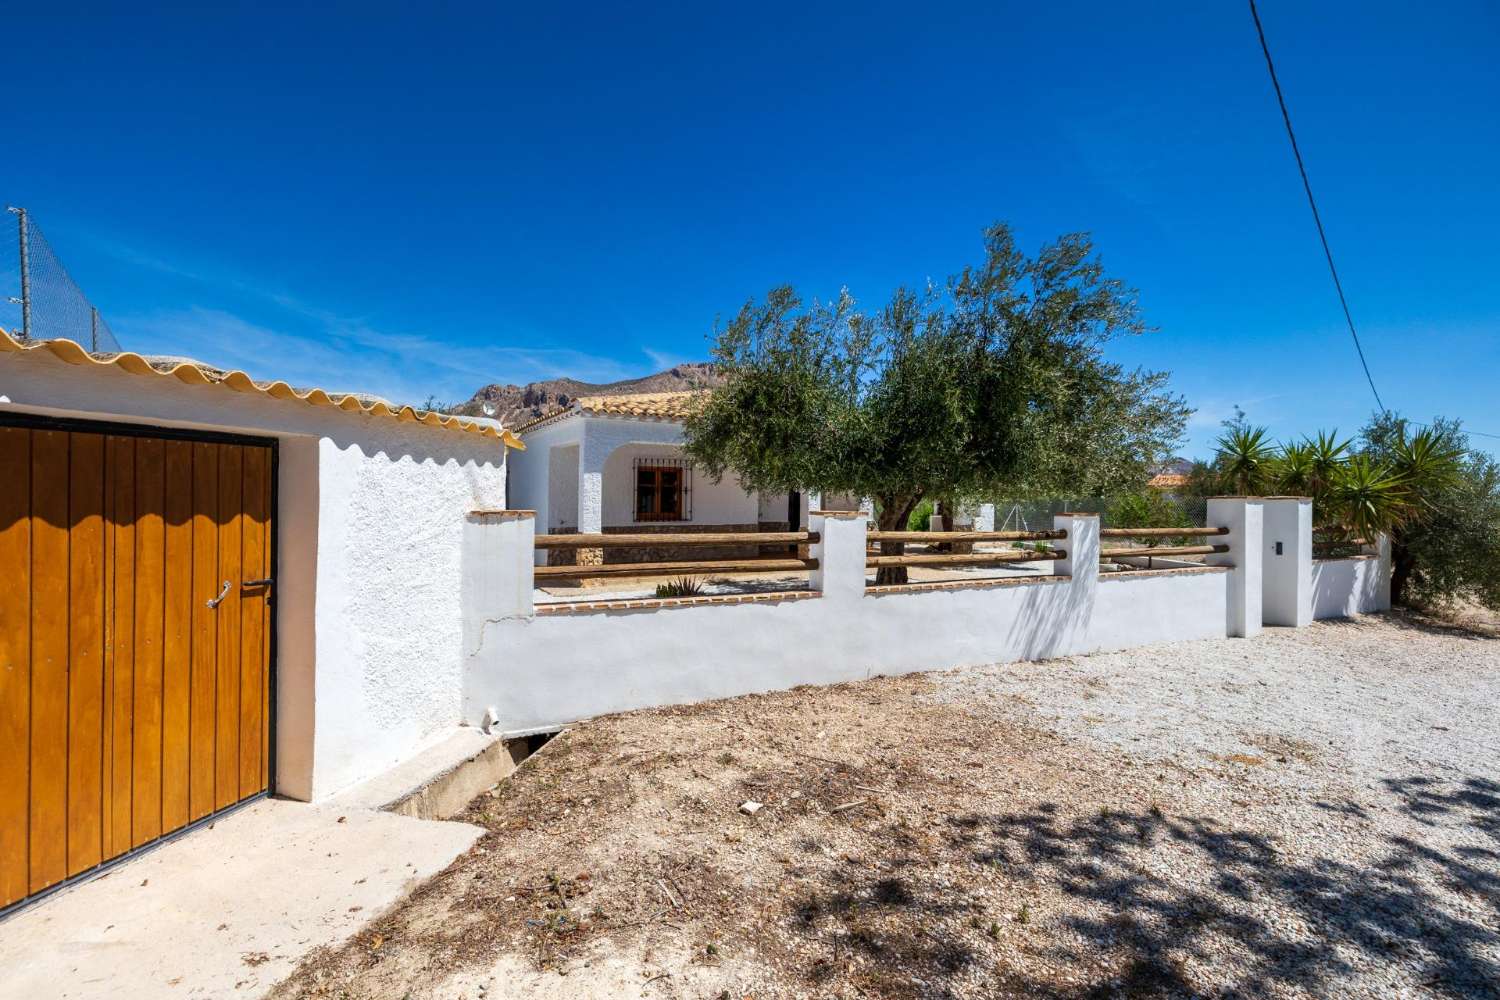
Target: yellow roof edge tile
195, 373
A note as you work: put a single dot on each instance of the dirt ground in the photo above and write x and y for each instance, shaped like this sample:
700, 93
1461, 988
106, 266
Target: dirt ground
1063, 830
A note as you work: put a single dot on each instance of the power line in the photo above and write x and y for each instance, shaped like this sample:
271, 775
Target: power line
1312, 202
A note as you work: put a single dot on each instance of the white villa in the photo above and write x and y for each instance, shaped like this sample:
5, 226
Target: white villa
614, 464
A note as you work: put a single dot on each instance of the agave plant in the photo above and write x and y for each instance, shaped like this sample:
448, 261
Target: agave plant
1247, 460
1369, 498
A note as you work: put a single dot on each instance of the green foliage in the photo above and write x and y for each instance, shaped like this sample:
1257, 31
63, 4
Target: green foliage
1247, 460
993, 384
1447, 547
1148, 509
921, 517
683, 586
1369, 498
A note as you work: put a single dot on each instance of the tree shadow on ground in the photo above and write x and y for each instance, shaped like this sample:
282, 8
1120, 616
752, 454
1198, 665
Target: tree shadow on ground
1290, 923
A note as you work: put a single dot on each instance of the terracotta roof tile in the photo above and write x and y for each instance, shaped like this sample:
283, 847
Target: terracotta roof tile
196, 373
670, 406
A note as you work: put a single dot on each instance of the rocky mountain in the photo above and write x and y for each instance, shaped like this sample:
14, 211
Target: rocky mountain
516, 404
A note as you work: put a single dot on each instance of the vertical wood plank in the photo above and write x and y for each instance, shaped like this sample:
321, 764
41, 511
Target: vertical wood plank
120, 465
267, 500
205, 642
231, 523
177, 655
15, 663
253, 619
49, 662
86, 653
150, 579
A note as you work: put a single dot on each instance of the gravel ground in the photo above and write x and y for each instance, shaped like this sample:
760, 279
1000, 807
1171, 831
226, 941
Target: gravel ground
1309, 813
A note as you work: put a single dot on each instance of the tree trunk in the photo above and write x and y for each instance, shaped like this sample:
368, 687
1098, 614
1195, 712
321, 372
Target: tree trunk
894, 513
1402, 564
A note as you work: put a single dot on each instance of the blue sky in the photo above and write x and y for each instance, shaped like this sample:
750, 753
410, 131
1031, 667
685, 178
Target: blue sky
410, 202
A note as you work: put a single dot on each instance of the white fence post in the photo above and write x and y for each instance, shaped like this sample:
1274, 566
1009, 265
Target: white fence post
1244, 517
1286, 572
498, 569
1082, 554
840, 552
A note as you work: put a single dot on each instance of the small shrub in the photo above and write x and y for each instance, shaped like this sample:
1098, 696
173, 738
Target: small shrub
921, 518
683, 586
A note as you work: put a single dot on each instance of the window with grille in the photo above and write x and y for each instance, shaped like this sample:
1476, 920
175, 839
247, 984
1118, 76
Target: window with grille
663, 490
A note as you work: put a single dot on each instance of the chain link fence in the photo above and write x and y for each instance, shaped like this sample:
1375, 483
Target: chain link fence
41, 301
1030, 515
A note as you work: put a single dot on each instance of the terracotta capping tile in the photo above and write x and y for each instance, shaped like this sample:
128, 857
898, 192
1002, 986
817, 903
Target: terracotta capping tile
513, 515
842, 515
1168, 571
660, 603
1360, 557
1067, 513
875, 590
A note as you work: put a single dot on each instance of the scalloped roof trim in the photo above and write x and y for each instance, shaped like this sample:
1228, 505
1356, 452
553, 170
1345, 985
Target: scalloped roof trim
196, 373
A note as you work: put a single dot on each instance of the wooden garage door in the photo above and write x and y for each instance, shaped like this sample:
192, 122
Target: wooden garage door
129, 707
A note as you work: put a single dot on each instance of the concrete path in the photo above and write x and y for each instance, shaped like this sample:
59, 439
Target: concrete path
225, 911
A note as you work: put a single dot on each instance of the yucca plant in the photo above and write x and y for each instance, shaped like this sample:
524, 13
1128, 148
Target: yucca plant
1247, 460
1428, 462
1369, 498
1294, 469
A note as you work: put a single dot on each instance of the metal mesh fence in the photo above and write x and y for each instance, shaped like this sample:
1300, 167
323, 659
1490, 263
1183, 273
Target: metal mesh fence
1030, 515
42, 301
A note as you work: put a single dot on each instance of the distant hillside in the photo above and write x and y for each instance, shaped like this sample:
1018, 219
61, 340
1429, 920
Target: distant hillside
516, 404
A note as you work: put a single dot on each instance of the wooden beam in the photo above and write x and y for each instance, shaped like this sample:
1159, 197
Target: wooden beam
965, 536
705, 568
976, 559
1169, 550
1161, 532
599, 540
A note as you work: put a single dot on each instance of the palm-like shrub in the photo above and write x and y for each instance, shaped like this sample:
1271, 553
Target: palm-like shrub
1247, 460
1368, 498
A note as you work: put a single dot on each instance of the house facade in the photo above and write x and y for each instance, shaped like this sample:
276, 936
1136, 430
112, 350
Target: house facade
615, 465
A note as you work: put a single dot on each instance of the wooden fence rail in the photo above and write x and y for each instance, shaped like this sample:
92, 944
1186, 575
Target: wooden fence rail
597, 540
706, 567
1161, 532
975, 559
965, 536
1168, 550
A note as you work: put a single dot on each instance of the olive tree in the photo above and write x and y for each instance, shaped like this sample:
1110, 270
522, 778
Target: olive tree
993, 383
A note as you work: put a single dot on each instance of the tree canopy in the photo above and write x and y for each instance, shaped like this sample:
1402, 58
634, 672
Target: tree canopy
993, 383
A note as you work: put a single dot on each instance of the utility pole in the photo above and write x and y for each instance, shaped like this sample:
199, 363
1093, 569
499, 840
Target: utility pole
25, 274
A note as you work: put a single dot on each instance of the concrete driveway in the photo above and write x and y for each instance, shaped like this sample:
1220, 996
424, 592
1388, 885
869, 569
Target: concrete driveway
226, 910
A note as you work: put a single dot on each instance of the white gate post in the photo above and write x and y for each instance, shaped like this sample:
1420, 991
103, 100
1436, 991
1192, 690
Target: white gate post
1244, 517
840, 551
1286, 571
498, 569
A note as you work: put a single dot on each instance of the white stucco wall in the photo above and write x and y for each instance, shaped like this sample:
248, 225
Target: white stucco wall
1345, 587
370, 527
613, 661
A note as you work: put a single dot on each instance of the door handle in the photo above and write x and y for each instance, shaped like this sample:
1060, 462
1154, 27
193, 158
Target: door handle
257, 583
215, 602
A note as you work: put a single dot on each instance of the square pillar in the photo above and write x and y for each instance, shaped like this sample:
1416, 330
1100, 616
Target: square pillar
497, 570
984, 520
840, 551
592, 455
1286, 566
1385, 568
1245, 519
1080, 563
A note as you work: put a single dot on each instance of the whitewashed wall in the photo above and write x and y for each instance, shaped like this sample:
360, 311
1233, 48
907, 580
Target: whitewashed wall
370, 528
1342, 588
724, 502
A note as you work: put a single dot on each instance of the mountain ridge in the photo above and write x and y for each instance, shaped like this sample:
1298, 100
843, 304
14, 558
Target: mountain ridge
516, 404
